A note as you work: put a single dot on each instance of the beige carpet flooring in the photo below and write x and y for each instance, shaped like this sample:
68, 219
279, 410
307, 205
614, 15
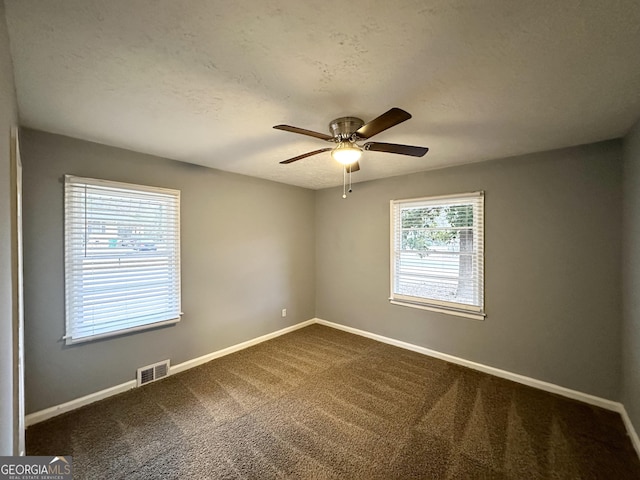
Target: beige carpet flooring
320, 403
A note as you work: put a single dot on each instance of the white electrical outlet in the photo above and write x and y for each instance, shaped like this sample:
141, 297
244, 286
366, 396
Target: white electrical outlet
284, 312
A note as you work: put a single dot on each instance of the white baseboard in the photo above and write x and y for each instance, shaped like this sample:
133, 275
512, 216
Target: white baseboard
631, 431
47, 413
532, 382
234, 348
51, 412
56, 410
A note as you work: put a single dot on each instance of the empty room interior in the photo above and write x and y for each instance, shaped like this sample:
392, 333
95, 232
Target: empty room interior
321, 239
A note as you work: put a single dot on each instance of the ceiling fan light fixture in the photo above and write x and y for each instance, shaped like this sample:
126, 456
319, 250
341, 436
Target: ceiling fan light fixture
346, 153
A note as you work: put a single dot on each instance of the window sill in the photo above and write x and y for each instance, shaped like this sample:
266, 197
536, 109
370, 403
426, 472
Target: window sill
432, 308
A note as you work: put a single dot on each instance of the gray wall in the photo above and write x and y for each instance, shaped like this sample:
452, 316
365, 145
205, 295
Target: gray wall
552, 281
8, 118
251, 247
248, 250
631, 278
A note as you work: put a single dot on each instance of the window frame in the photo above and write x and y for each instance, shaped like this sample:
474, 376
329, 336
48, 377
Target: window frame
431, 304
74, 269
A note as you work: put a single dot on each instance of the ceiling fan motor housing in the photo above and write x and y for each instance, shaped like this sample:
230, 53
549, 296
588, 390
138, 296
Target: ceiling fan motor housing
343, 128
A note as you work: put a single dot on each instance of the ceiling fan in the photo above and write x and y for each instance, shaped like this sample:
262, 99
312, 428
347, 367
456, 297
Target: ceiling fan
346, 132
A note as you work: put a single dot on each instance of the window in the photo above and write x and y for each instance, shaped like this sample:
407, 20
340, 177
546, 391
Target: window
437, 253
122, 258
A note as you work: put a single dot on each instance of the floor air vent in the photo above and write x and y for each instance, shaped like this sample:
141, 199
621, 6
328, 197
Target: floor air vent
154, 372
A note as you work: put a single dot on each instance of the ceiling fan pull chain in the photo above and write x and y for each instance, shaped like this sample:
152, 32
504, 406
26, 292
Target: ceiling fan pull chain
344, 182
350, 172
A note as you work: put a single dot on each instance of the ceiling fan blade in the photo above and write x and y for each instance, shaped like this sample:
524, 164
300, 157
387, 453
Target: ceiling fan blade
396, 148
302, 131
354, 167
386, 120
305, 155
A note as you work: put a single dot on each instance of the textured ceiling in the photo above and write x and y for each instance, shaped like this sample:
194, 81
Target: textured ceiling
204, 81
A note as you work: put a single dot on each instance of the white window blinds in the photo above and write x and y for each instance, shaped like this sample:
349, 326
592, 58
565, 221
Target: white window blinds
437, 256
122, 258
